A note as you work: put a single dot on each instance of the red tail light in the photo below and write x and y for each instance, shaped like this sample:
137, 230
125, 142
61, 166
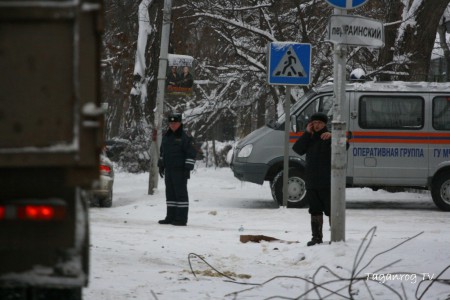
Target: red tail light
2, 212
41, 212
105, 168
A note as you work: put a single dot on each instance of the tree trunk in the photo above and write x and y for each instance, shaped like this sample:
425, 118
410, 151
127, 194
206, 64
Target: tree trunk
393, 10
153, 50
417, 41
446, 50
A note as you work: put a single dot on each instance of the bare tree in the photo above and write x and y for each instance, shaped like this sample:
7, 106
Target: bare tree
236, 61
417, 34
444, 47
119, 47
228, 38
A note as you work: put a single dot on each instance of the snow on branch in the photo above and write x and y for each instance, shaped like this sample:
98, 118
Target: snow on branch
408, 16
238, 24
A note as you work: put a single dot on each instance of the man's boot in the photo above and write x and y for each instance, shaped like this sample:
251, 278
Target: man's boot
169, 216
181, 216
316, 228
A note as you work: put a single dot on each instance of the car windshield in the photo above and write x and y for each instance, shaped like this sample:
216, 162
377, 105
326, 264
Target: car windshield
294, 107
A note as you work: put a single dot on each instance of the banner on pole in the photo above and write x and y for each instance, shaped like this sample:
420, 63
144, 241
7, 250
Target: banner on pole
180, 78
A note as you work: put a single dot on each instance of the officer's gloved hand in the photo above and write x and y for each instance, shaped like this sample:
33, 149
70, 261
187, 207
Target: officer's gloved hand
161, 172
187, 173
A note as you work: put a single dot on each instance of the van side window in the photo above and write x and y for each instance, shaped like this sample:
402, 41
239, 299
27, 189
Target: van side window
441, 113
321, 104
387, 112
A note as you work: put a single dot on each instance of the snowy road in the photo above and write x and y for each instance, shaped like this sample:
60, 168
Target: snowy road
133, 257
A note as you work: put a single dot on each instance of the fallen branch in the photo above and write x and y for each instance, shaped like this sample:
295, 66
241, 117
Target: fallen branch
260, 238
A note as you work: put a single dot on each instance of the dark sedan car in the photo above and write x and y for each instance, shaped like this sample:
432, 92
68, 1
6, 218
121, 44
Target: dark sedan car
103, 190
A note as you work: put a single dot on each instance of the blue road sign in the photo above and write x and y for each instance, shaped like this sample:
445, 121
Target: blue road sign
288, 63
346, 4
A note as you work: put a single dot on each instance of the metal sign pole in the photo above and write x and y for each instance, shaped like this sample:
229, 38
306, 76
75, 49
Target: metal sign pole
287, 129
288, 64
338, 146
159, 109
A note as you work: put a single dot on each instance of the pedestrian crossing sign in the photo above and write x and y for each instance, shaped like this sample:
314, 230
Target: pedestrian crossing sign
288, 63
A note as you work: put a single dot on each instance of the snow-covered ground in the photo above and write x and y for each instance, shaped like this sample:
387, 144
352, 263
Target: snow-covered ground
133, 257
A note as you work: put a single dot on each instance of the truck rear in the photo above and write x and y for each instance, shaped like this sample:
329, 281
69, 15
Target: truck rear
51, 136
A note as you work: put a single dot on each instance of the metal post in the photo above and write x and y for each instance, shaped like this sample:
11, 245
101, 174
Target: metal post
338, 147
287, 130
159, 109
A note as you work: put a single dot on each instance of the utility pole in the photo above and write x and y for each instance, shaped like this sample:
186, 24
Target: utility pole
159, 109
338, 35
339, 142
287, 130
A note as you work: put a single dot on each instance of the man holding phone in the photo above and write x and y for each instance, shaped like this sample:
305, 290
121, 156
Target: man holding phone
316, 144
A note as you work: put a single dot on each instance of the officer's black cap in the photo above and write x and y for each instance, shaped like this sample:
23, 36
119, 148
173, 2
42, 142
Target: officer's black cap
175, 117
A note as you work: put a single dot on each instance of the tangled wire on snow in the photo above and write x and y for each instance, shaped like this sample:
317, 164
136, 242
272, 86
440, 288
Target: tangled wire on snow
346, 290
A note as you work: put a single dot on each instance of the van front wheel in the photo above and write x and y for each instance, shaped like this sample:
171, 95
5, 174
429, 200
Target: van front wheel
296, 188
440, 191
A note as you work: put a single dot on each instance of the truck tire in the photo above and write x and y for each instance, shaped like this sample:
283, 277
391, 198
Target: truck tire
85, 252
13, 293
41, 294
440, 191
296, 188
107, 201
57, 294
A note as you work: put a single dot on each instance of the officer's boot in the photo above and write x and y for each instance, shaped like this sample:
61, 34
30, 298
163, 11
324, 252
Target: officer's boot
316, 228
181, 216
170, 216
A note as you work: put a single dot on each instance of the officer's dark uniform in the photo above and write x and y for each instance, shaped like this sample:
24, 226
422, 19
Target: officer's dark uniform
177, 159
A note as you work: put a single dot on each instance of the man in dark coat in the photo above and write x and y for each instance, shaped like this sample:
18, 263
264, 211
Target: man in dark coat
173, 77
316, 144
186, 79
177, 159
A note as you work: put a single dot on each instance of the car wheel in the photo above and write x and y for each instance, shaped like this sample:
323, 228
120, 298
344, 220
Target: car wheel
296, 188
107, 201
440, 191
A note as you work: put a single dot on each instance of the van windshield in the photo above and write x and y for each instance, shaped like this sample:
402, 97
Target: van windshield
294, 107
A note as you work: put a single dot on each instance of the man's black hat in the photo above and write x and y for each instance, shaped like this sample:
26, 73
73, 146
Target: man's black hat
175, 117
319, 116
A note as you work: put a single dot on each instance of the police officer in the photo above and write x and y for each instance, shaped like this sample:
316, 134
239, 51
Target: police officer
177, 159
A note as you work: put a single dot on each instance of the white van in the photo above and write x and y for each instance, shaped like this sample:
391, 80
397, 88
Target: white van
399, 135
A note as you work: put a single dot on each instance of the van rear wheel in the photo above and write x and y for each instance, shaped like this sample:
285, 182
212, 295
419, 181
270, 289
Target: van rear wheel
296, 188
440, 191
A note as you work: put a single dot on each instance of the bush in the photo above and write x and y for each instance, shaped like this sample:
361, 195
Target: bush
130, 153
219, 158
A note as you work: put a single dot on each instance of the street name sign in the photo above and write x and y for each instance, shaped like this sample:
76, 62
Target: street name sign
346, 4
355, 31
288, 63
